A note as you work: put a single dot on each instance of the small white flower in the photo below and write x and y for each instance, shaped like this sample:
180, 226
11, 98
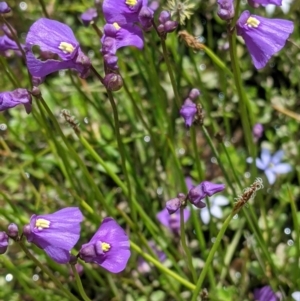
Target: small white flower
215, 208
285, 7
296, 296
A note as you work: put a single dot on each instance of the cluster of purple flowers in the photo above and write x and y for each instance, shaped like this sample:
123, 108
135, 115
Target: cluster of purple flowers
170, 216
57, 234
263, 36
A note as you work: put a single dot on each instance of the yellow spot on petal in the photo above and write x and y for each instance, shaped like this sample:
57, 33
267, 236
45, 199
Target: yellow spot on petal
42, 224
105, 246
131, 2
252, 22
116, 26
66, 47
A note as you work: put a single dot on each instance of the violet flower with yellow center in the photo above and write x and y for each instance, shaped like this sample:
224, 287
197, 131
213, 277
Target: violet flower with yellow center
263, 37
57, 39
109, 247
55, 233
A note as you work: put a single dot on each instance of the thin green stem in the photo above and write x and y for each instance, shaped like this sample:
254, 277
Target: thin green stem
185, 247
48, 272
44, 9
79, 284
172, 78
210, 257
162, 268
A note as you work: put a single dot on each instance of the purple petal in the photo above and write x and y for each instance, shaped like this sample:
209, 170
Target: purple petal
120, 12
296, 296
115, 260
163, 217
271, 176
110, 232
4, 8
49, 34
59, 255
282, 168
63, 232
264, 39
11, 99
265, 294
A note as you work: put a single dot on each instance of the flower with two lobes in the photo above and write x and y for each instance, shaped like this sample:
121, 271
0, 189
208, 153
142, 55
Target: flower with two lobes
271, 165
189, 109
55, 233
263, 37
10, 99
58, 47
109, 247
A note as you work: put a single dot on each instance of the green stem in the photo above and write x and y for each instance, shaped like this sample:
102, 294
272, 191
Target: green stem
185, 247
79, 284
48, 272
210, 257
44, 9
172, 78
162, 268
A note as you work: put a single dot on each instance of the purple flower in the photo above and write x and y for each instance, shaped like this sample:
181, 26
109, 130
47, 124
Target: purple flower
256, 3
201, 191
109, 247
174, 204
13, 230
271, 164
125, 35
11, 99
188, 112
89, 16
55, 233
7, 44
143, 266
3, 242
57, 39
125, 11
263, 37
166, 24
172, 221
257, 131
226, 9
189, 183
265, 294
4, 8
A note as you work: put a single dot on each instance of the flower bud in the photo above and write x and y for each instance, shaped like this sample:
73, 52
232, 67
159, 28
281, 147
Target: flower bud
89, 16
146, 17
196, 195
12, 230
113, 82
226, 9
257, 131
4, 8
3, 242
174, 204
188, 111
170, 26
210, 188
8, 31
164, 17
194, 93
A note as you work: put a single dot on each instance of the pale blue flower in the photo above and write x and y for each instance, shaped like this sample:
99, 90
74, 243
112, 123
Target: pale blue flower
272, 165
216, 202
296, 296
